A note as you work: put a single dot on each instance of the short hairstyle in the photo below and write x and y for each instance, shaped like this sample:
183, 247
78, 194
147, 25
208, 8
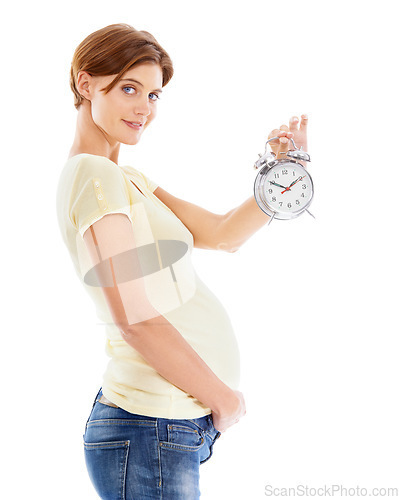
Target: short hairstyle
114, 50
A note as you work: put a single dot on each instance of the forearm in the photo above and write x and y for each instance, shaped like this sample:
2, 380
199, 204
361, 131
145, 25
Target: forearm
240, 224
164, 348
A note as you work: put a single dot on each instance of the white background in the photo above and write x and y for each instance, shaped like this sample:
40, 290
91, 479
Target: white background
313, 302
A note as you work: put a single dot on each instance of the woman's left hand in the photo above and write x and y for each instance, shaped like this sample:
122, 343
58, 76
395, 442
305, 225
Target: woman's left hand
296, 130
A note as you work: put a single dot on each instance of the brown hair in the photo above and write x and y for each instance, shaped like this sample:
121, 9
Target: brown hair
114, 50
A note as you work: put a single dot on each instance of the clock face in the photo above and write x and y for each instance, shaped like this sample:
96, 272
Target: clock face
285, 189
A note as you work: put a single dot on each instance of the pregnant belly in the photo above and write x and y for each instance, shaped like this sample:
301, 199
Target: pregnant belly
205, 324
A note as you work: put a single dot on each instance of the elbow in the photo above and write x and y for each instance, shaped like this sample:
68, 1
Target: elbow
128, 330
233, 249
133, 335
226, 247
125, 330
141, 326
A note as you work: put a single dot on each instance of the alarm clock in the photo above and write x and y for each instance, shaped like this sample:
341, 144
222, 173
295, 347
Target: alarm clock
283, 188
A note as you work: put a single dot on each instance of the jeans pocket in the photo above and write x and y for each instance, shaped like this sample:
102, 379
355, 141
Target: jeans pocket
106, 464
183, 437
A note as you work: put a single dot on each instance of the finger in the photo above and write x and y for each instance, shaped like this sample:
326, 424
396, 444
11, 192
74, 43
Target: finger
284, 145
284, 140
284, 133
274, 133
304, 122
294, 120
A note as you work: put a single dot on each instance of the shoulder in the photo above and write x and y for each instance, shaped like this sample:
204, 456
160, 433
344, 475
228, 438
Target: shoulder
92, 166
94, 162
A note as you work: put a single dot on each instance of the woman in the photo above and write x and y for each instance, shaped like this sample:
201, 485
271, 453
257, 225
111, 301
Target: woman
170, 388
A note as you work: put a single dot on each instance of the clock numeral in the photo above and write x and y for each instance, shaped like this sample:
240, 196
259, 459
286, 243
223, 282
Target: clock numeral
270, 191
289, 205
281, 203
284, 172
274, 198
298, 202
293, 173
303, 195
276, 175
304, 186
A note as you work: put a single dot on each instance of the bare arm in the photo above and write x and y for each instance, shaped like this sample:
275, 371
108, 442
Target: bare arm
240, 224
215, 231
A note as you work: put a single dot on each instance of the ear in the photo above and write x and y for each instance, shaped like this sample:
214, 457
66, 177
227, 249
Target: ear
84, 84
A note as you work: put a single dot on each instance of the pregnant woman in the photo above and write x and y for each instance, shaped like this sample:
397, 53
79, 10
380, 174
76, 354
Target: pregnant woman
170, 388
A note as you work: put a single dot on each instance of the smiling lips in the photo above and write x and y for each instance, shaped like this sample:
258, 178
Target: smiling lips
135, 125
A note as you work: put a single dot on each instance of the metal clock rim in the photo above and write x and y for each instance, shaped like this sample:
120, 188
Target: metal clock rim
274, 214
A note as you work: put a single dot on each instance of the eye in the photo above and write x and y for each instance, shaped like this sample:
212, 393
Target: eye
127, 87
155, 97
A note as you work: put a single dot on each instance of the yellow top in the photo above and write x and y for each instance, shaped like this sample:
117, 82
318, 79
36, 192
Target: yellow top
92, 186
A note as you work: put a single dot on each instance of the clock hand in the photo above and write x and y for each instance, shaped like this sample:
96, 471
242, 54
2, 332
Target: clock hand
292, 183
279, 185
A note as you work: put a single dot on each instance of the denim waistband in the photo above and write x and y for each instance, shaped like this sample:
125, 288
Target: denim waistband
199, 420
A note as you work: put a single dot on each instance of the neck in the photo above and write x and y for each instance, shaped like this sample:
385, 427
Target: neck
89, 138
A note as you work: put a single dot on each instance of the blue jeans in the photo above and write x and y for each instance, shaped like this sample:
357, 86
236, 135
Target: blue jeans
130, 456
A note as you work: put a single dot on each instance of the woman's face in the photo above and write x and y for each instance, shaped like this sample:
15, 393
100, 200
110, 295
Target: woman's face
130, 106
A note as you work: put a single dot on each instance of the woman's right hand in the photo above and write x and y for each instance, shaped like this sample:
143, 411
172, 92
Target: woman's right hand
227, 417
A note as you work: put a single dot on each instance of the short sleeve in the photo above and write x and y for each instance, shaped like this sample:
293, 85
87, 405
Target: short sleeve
150, 183
141, 178
99, 188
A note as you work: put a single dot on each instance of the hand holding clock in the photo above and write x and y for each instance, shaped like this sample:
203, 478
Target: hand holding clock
296, 130
284, 169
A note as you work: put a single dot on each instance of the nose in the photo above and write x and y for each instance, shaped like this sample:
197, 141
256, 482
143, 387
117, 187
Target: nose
143, 107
